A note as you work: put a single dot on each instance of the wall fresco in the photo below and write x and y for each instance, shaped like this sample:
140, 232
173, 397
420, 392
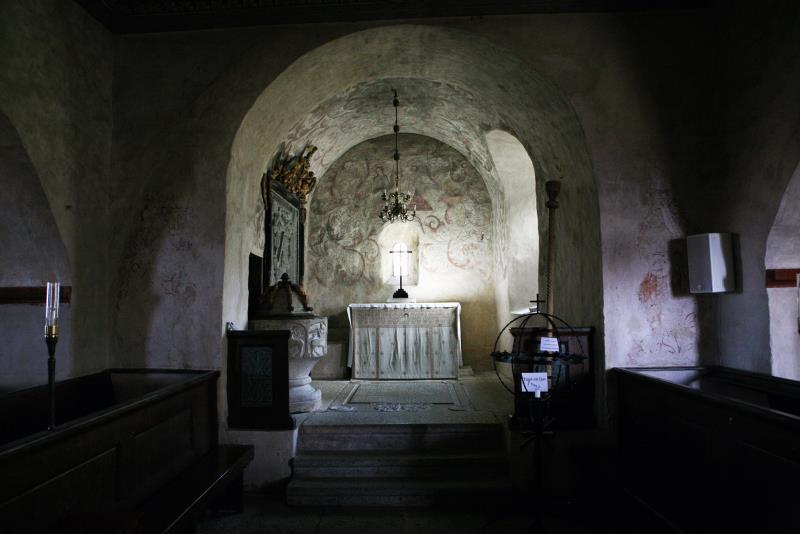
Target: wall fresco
670, 320
454, 225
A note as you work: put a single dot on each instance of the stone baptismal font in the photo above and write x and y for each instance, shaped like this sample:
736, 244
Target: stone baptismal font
308, 343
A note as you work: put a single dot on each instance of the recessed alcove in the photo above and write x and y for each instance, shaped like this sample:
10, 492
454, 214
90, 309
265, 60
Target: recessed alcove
451, 238
485, 138
449, 93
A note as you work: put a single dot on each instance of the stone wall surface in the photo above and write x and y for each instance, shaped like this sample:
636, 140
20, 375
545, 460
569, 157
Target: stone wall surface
32, 254
653, 137
758, 142
181, 99
453, 230
626, 114
55, 90
783, 252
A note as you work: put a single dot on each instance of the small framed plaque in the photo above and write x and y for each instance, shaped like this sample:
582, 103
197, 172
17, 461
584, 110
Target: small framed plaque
258, 380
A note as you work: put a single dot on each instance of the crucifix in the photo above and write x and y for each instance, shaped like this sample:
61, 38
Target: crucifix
400, 267
536, 305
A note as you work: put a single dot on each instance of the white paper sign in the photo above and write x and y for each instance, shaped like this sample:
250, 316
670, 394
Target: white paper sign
548, 344
534, 382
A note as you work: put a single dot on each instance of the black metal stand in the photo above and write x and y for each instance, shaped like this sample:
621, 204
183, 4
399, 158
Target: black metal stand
400, 293
531, 413
539, 419
51, 380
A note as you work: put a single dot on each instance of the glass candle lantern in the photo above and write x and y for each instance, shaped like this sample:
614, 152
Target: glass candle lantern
51, 309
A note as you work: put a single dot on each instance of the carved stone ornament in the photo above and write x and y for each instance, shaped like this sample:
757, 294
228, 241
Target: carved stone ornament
308, 344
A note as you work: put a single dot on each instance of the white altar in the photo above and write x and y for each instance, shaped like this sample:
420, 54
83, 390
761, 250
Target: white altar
394, 341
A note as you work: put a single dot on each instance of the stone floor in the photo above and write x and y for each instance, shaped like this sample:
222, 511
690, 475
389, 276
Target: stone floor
473, 397
266, 514
477, 398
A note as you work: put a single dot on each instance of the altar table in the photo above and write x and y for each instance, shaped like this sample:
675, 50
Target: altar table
405, 341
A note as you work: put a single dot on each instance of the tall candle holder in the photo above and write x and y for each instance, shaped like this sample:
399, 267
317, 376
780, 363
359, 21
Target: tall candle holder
51, 338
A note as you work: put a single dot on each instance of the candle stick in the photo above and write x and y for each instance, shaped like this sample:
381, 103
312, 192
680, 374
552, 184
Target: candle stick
51, 338
51, 309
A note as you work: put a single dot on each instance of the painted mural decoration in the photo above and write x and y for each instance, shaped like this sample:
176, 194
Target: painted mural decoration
454, 219
669, 332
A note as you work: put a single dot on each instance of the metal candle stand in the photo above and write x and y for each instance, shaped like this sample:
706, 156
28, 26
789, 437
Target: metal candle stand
534, 425
51, 338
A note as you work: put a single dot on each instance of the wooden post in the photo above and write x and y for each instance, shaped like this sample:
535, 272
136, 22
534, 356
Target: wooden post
553, 187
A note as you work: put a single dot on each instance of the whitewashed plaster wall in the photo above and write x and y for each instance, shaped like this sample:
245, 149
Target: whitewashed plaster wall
56, 66
453, 227
517, 285
32, 254
449, 79
757, 143
549, 80
606, 93
783, 252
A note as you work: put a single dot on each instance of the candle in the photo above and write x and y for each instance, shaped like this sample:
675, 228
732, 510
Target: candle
51, 308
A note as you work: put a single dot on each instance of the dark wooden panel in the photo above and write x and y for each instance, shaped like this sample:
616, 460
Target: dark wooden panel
132, 16
24, 412
697, 452
258, 379
64, 496
176, 505
782, 277
175, 426
161, 449
32, 295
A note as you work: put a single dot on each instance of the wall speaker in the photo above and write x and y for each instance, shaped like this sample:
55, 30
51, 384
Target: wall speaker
710, 263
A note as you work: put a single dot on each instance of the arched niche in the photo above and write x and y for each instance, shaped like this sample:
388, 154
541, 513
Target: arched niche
451, 238
520, 281
783, 251
457, 87
398, 246
32, 254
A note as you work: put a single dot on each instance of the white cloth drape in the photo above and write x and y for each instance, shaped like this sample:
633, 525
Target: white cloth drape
405, 341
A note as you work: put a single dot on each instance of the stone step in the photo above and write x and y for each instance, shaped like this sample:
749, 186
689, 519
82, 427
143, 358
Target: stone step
451, 466
394, 492
409, 438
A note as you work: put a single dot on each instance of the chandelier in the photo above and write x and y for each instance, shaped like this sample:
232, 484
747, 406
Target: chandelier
395, 204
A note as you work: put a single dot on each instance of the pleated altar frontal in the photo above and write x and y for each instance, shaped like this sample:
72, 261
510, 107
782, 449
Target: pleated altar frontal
405, 341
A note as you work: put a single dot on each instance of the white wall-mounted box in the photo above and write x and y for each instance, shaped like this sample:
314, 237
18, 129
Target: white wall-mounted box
710, 263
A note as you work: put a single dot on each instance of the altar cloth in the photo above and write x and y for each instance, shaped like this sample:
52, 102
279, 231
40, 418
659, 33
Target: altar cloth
405, 340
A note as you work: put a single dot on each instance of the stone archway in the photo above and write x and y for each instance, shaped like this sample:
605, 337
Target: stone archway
458, 87
515, 169
783, 251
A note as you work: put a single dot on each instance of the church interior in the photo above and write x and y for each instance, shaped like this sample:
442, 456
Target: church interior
374, 265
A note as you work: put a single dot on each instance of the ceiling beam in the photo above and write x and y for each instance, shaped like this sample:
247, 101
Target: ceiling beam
139, 16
